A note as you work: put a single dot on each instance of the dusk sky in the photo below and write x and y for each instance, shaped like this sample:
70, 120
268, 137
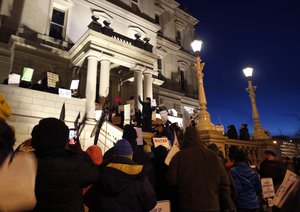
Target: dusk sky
263, 34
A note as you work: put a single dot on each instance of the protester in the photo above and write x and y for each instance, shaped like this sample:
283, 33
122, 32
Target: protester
7, 134
244, 133
161, 187
199, 177
231, 132
292, 204
247, 184
122, 185
61, 174
147, 114
272, 168
287, 162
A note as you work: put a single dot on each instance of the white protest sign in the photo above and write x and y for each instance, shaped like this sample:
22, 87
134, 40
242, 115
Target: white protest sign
267, 187
153, 103
162, 206
285, 188
173, 150
164, 116
162, 141
139, 133
64, 93
74, 84
131, 102
14, 79
127, 114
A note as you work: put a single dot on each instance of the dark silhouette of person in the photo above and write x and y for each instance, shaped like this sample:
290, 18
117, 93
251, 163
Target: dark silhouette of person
244, 133
147, 114
231, 132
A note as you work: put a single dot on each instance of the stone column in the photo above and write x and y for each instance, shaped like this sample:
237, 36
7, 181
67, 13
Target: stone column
104, 78
148, 84
90, 91
138, 87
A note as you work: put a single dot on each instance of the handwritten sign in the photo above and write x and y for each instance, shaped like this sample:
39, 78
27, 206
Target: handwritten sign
52, 79
267, 187
74, 84
153, 103
127, 114
161, 142
162, 206
131, 102
64, 93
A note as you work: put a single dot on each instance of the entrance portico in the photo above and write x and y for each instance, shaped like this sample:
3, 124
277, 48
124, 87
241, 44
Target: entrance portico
98, 48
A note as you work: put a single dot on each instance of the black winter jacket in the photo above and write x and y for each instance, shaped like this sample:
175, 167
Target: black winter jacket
60, 177
122, 186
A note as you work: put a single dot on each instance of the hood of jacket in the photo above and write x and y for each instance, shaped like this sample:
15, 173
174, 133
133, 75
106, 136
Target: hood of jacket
118, 175
191, 138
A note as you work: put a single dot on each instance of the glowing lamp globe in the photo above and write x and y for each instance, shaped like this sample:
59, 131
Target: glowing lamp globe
248, 72
196, 45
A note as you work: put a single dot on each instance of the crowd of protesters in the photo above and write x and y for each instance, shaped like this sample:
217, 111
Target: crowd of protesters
127, 178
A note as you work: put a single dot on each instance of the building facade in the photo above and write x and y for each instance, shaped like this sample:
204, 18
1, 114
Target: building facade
132, 47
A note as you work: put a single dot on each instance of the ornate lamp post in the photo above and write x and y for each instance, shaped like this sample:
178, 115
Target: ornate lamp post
204, 122
258, 130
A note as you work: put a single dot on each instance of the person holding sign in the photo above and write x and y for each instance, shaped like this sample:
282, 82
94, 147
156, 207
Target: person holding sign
247, 184
147, 114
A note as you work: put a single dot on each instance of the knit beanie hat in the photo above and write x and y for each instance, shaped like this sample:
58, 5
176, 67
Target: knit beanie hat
95, 154
122, 147
5, 110
49, 135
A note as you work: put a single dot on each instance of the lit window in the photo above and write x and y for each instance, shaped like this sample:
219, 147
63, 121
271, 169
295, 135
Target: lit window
57, 24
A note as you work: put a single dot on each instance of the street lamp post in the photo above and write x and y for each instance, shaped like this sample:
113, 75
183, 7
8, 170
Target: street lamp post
204, 122
258, 130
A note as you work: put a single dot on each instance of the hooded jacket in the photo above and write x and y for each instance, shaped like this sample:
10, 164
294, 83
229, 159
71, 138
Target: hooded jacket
122, 186
199, 177
247, 184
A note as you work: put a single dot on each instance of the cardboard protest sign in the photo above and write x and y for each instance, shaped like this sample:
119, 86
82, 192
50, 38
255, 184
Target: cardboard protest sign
162, 141
162, 206
285, 188
139, 133
127, 114
52, 79
173, 150
14, 79
267, 187
164, 116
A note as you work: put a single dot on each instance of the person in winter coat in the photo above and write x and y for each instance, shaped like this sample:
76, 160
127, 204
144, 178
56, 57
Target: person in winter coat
139, 156
231, 132
122, 185
271, 167
7, 134
61, 174
247, 184
147, 114
199, 177
244, 133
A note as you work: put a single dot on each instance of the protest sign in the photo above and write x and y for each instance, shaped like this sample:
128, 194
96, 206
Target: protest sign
153, 103
267, 187
131, 103
27, 74
139, 133
162, 206
153, 116
74, 84
14, 79
173, 150
52, 79
161, 141
64, 93
127, 114
285, 188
